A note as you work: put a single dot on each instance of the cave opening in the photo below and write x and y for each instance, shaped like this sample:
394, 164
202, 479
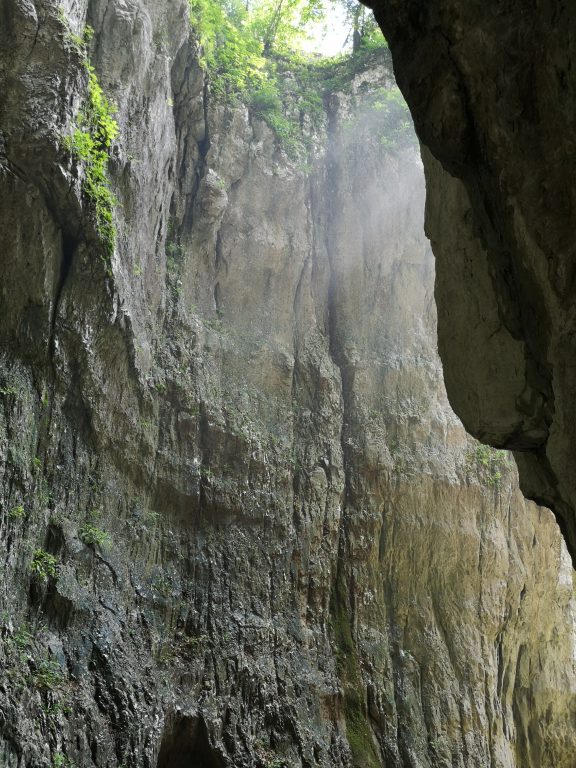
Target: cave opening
186, 744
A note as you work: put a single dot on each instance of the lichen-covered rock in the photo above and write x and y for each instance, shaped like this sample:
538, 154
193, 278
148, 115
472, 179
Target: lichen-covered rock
240, 525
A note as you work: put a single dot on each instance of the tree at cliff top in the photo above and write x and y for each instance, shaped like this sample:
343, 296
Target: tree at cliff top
241, 39
253, 53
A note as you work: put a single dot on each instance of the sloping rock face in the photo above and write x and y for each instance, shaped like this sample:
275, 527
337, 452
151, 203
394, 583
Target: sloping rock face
491, 91
240, 524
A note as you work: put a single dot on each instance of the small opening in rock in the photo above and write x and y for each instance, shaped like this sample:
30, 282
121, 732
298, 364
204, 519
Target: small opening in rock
185, 744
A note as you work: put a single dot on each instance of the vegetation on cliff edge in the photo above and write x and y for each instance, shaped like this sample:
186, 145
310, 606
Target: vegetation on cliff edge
254, 54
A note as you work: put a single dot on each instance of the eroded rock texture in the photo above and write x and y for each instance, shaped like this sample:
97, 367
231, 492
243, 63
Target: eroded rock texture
240, 524
491, 89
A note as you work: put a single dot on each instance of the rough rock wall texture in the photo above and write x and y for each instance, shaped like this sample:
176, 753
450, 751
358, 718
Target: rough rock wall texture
491, 90
272, 542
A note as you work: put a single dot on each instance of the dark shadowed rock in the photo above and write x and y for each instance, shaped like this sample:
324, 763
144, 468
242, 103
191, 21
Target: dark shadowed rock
492, 92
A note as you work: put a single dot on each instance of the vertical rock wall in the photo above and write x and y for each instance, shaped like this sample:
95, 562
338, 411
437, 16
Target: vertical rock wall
240, 525
491, 90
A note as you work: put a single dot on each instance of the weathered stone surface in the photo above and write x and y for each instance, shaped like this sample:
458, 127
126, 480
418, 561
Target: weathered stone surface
273, 542
491, 90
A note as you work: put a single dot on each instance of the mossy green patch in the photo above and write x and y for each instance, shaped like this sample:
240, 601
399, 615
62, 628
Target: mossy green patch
90, 143
364, 753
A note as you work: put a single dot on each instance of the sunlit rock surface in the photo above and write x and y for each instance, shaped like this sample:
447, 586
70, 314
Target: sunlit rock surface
273, 543
492, 91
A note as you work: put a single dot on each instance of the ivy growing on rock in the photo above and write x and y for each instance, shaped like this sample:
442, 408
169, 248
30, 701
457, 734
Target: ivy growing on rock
90, 143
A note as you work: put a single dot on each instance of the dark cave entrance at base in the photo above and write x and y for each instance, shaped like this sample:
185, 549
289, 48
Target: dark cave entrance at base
185, 744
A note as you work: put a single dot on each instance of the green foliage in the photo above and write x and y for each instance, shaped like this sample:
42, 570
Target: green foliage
372, 38
90, 143
17, 513
490, 462
21, 640
232, 54
280, 24
78, 41
213, 324
43, 494
241, 50
93, 536
251, 53
56, 708
267, 104
238, 38
207, 474
151, 518
8, 391
29, 665
60, 760
48, 676
362, 25
174, 255
43, 565
266, 99
91, 140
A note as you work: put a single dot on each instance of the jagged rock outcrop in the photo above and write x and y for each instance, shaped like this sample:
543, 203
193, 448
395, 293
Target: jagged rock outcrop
491, 90
240, 525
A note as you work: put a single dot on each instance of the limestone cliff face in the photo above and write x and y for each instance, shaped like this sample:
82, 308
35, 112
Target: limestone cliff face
240, 525
491, 91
